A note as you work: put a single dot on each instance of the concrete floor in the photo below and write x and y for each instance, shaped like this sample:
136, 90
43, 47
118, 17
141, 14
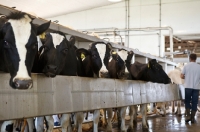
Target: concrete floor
169, 123
157, 123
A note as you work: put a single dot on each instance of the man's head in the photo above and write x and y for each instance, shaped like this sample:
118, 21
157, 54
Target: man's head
193, 57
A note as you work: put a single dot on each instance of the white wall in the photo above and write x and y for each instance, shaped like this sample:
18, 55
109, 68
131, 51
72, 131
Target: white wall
181, 15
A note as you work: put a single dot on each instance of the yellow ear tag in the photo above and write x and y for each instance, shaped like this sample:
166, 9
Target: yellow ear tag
114, 52
82, 56
148, 65
42, 36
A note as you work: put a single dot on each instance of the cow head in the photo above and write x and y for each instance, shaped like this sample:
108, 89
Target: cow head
100, 55
156, 73
19, 46
68, 62
86, 65
154, 65
52, 55
129, 56
116, 66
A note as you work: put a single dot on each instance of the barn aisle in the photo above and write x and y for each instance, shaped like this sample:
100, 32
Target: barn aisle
157, 123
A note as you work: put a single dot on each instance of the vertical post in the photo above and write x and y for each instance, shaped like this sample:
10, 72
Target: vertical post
164, 66
170, 68
127, 22
159, 46
141, 59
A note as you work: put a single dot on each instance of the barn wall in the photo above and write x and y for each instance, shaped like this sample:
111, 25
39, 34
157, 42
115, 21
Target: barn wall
181, 15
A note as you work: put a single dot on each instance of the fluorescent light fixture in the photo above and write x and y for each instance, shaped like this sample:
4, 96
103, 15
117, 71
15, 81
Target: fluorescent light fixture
114, 0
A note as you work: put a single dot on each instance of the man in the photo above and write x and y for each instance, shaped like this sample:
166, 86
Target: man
191, 74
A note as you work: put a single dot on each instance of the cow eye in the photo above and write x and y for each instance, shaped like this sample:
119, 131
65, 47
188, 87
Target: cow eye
6, 44
94, 56
65, 50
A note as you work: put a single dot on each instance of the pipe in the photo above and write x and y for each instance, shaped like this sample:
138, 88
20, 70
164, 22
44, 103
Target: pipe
127, 22
119, 36
145, 29
111, 34
159, 38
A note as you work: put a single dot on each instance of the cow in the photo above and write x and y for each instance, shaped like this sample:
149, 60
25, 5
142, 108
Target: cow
174, 75
117, 70
58, 57
152, 72
18, 42
18, 38
95, 62
86, 62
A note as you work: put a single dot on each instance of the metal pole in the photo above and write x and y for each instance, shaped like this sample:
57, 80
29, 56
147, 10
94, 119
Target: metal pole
159, 39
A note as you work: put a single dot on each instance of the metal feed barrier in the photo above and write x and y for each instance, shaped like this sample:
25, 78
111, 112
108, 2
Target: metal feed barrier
65, 94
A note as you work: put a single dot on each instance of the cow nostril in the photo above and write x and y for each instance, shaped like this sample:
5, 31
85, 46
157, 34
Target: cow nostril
28, 85
17, 85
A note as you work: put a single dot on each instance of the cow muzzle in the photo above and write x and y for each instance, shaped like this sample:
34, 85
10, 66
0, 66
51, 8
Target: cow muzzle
103, 74
50, 70
23, 84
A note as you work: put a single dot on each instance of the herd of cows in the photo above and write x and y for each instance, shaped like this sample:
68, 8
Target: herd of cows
20, 54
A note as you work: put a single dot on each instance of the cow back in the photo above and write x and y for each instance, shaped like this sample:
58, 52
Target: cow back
138, 71
174, 75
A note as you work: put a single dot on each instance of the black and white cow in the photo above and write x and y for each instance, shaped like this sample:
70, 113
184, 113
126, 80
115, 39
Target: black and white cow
95, 63
174, 75
18, 46
86, 62
59, 58
152, 72
117, 69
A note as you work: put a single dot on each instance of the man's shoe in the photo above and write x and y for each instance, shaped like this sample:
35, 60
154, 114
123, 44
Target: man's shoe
188, 116
192, 116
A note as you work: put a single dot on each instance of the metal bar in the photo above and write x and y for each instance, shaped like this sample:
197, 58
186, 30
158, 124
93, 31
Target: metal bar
86, 38
80, 36
65, 94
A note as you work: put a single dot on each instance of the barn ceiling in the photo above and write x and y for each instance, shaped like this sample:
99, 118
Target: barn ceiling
51, 8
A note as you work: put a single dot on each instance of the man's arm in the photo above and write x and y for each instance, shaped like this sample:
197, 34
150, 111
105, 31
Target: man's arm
182, 76
183, 73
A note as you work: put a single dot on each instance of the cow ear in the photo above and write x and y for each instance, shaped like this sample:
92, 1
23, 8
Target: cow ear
72, 40
43, 27
82, 51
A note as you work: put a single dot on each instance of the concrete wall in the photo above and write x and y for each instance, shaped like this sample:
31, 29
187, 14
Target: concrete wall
78, 94
181, 15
